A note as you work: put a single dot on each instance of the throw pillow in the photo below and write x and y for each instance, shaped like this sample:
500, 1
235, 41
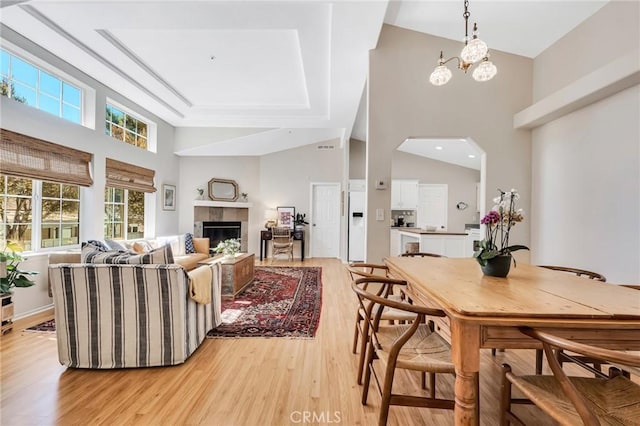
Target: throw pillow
162, 255
114, 245
188, 244
97, 243
141, 247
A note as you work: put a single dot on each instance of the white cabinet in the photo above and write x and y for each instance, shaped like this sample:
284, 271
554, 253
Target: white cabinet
404, 194
394, 243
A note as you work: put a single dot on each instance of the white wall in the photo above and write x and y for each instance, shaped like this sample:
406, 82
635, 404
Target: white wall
272, 180
586, 174
585, 165
30, 121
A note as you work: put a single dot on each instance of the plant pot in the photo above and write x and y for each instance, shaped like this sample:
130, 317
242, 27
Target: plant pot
299, 227
498, 266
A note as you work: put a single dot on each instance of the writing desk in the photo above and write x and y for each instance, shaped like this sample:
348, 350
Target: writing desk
298, 235
485, 312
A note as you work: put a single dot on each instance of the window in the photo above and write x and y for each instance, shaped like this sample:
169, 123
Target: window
124, 214
60, 213
16, 210
28, 84
123, 126
38, 214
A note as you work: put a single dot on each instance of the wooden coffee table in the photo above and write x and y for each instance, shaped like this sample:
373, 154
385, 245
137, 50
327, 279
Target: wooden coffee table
237, 273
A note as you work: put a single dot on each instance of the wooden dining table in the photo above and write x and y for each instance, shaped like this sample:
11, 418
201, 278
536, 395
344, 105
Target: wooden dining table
485, 312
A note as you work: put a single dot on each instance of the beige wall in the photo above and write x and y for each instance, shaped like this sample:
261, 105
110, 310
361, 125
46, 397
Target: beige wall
402, 104
609, 34
279, 179
586, 171
461, 183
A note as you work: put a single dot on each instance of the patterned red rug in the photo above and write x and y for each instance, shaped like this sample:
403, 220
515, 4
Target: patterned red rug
280, 302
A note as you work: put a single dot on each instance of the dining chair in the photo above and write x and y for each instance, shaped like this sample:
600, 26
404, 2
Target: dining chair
282, 242
361, 332
606, 399
412, 346
562, 356
420, 254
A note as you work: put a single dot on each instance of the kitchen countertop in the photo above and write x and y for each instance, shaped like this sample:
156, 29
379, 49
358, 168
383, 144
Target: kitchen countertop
420, 231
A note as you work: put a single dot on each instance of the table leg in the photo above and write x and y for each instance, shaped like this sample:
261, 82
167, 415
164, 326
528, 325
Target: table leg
261, 248
465, 351
302, 249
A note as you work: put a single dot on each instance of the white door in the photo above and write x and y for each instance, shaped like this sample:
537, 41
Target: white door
325, 220
432, 205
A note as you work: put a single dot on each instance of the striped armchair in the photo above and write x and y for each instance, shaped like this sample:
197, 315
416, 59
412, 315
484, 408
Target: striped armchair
122, 316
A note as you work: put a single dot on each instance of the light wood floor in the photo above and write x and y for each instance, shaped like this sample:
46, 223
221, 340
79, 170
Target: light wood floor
229, 381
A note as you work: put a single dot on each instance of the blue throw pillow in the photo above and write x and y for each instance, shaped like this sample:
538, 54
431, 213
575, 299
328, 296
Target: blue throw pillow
188, 244
96, 243
114, 245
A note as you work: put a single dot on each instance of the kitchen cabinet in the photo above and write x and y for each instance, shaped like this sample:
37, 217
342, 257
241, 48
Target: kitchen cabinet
404, 194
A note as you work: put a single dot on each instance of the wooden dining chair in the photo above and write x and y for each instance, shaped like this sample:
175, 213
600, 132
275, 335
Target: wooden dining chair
400, 346
562, 356
419, 254
612, 399
361, 332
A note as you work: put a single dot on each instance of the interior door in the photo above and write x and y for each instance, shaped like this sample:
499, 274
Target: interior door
432, 205
325, 220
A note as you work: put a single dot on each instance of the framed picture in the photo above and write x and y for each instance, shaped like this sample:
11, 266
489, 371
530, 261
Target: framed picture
286, 216
168, 197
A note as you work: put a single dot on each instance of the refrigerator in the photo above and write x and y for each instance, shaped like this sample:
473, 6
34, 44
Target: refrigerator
357, 205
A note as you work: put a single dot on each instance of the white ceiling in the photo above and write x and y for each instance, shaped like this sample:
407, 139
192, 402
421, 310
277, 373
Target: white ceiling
279, 67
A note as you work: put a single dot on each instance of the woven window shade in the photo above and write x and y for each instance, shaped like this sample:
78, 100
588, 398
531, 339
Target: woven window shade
28, 157
127, 176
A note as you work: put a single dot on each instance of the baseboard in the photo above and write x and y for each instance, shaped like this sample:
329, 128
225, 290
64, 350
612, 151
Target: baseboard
33, 312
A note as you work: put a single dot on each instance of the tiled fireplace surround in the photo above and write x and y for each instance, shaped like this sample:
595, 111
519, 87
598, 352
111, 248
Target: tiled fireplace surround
223, 214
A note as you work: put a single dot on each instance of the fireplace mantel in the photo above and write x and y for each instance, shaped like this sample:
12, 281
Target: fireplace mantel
232, 204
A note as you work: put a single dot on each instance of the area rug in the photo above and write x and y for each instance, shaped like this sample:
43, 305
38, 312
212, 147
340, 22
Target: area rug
46, 327
280, 302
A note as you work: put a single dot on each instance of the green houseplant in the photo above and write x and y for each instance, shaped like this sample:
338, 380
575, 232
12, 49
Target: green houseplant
300, 221
494, 255
10, 275
228, 247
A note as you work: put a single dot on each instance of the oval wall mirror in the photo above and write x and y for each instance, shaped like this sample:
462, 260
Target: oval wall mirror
223, 190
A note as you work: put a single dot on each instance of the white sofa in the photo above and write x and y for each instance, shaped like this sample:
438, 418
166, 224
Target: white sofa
122, 316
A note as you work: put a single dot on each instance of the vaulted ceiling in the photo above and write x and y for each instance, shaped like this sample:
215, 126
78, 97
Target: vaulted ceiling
270, 69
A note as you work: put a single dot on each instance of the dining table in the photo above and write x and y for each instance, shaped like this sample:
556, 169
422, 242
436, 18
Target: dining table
485, 312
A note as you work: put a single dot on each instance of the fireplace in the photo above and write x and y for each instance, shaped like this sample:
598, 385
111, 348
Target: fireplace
220, 231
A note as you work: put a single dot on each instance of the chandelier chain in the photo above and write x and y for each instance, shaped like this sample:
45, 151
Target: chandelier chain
466, 16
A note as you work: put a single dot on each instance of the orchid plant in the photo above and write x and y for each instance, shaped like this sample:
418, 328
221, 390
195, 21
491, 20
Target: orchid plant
498, 223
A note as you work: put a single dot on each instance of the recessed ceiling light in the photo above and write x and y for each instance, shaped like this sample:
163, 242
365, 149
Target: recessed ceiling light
471, 156
212, 57
438, 148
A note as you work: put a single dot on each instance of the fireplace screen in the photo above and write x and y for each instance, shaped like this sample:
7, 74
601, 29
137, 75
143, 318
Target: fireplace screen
220, 231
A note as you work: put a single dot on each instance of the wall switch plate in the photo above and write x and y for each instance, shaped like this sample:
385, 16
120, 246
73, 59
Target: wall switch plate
381, 184
379, 214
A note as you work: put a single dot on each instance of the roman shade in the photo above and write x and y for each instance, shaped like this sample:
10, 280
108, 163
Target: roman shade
127, 176
28, 157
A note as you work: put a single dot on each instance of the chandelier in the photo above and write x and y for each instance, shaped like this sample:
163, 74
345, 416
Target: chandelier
475, 50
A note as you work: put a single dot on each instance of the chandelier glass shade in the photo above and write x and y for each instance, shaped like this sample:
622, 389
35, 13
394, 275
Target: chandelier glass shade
474, 50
